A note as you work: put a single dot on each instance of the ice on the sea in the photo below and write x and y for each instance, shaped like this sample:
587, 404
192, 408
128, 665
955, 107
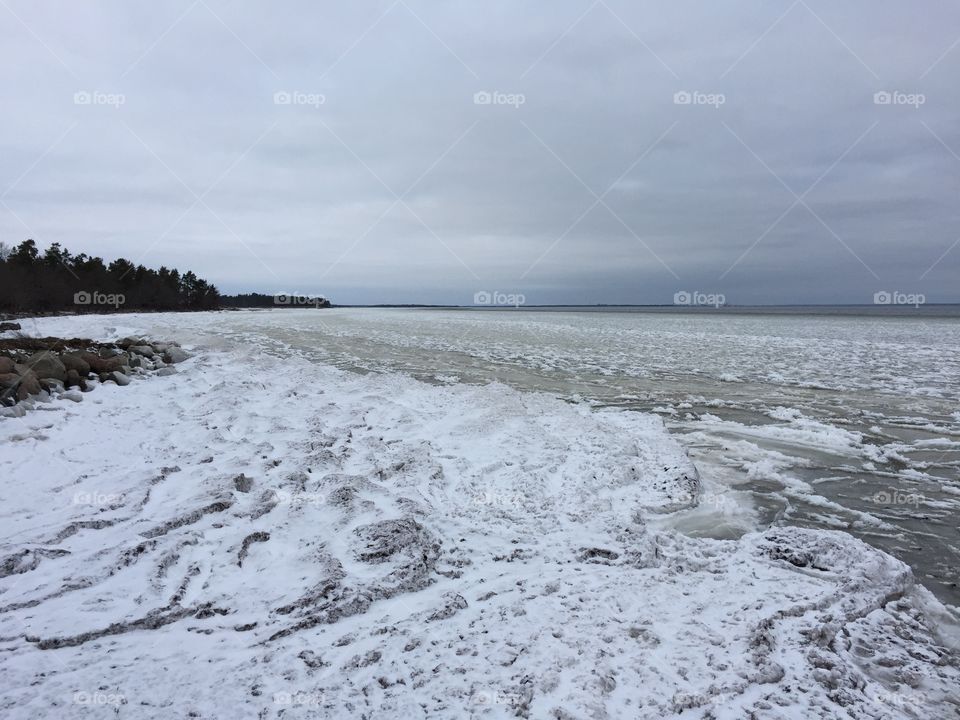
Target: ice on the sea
267, 537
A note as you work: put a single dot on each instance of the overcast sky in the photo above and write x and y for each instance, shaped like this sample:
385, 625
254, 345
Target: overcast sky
416, 151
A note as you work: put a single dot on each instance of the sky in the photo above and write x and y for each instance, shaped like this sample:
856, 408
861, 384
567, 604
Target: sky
402, 151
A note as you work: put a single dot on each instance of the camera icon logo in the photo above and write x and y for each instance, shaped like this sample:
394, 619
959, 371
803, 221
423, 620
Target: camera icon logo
282, 97
82, 298
82, 98
882, 298
482, 298
882, 98
681, 298
682, 98
281, 298
482, 98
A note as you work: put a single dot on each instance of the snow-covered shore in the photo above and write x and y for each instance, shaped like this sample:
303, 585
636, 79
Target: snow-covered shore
264, 536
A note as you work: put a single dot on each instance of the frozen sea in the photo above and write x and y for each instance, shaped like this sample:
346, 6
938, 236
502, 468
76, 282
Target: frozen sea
490, 514
817, 418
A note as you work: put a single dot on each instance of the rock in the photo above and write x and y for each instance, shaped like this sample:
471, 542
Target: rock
73, 361
5, 326
46, 364
6, 365
74, 395
165, 371
51, 384
29, 385
144, 350
174, 354
74, 380
128, 341
452, 603
9, 379
242, 483
102, 365
119, 378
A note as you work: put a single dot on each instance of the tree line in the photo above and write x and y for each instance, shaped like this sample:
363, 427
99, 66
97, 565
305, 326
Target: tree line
31, 281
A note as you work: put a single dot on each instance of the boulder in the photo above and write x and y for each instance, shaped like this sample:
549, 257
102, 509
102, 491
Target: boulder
165, 371
73, 361
6, 365
46, 364
5, 326
102, 365
51, 385
144, 350
9, 380
128, 341
74, 380
29, 385
119, 378
173, 354
73, 395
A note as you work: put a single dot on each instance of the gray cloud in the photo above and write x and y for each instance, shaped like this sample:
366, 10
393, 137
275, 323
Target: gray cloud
303, 196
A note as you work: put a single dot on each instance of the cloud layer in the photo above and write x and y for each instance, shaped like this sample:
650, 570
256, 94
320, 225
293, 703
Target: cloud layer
421, 152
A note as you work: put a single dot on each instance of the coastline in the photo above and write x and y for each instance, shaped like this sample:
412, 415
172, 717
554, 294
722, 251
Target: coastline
325, 541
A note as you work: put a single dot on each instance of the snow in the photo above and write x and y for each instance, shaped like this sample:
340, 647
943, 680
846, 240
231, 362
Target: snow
264, 536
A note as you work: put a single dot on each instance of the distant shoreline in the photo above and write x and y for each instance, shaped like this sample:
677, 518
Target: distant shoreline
929, 310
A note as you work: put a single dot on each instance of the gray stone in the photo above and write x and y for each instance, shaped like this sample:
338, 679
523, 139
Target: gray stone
119, 378
174, 354
46, 364
51, 384
74, 395
6, 365
144, 350
165, 371
242, 483
4, 326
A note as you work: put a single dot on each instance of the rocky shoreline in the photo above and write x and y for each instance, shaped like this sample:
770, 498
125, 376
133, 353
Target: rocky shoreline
38, 369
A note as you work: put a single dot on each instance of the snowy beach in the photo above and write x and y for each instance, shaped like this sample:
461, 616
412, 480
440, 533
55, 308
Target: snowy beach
264, 534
